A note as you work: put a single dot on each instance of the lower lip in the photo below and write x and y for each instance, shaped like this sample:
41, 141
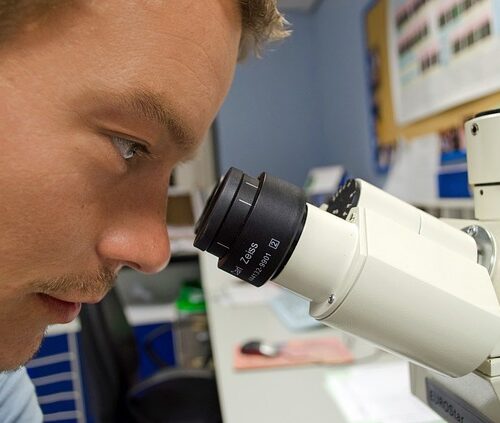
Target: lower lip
62, 311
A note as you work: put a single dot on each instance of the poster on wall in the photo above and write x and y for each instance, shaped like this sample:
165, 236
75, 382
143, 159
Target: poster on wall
442, 54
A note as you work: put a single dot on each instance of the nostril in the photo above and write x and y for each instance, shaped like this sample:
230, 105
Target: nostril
133, 265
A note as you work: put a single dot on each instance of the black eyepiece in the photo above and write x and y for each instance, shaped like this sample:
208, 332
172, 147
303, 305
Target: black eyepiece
252, 225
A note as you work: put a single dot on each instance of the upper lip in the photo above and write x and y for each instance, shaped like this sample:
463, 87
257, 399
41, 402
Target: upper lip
89, 299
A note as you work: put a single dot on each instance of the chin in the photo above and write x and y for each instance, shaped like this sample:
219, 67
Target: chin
18, 355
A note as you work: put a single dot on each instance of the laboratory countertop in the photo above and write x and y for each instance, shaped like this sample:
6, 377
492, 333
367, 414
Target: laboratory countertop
293, 394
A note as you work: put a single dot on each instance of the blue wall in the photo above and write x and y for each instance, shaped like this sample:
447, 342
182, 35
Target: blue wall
305, 103
340, 55
271, 119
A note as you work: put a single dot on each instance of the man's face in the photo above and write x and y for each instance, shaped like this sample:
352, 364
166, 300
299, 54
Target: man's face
97, 107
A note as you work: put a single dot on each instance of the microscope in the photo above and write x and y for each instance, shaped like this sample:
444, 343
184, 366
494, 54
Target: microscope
380, 269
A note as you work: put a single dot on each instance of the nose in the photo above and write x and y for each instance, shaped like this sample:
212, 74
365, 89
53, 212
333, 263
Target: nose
141, 243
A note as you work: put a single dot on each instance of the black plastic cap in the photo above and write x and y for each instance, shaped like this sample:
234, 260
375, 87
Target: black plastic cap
252, 225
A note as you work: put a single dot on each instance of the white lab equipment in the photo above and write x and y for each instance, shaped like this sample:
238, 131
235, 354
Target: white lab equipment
382, 270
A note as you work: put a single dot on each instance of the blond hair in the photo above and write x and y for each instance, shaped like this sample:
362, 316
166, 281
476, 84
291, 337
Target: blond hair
261, 20
261, 23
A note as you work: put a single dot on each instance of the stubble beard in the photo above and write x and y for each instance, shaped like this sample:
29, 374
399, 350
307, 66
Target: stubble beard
85, 285
94, 285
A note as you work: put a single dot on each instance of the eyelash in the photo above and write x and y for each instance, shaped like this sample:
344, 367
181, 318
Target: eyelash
129, 149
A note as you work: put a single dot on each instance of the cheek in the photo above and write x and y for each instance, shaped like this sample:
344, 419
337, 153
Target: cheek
57, 203
50, 205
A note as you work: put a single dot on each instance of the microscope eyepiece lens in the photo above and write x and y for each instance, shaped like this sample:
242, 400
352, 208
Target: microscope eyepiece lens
216, 208
252, 225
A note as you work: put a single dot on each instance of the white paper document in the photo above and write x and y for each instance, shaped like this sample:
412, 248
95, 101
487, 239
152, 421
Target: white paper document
413, 174
245, 294
378, 393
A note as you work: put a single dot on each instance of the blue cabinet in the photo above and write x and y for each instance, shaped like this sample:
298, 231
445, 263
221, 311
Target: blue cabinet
57, 370
56, 374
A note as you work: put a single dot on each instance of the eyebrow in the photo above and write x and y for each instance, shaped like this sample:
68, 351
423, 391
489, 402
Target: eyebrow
152, 107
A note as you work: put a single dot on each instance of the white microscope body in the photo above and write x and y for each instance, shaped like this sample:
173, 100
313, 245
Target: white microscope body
382, 270
415, 286
480, 389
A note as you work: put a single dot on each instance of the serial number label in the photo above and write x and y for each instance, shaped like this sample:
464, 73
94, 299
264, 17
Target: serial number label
451, 407
260, 267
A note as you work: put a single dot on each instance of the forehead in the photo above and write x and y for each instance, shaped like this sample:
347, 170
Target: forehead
188, 47
192, 34
182, 50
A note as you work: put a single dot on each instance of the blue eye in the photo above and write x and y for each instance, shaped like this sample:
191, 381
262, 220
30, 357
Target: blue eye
127, 148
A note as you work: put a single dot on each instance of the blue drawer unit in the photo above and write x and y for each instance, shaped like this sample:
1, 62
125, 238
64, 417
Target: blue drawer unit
57, 369
56, 374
